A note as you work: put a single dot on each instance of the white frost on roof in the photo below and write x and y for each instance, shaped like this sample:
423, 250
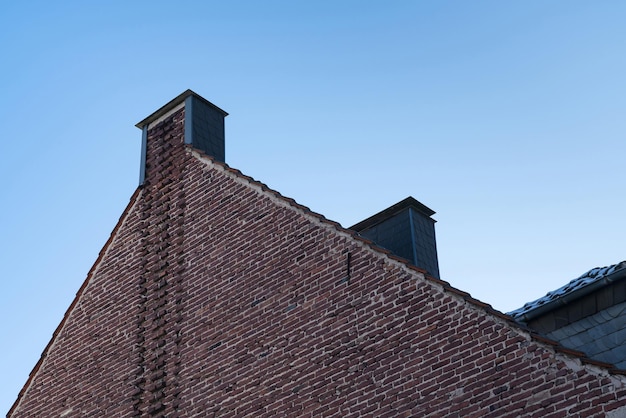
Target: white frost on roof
592, 276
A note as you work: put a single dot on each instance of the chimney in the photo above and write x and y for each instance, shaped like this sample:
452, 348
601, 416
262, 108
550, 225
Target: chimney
203, 126
407, 230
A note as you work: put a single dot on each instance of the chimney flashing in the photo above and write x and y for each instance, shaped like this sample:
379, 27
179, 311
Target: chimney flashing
173, 105
383, 215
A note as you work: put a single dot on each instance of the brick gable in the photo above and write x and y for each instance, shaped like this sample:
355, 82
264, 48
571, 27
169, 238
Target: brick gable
218, 297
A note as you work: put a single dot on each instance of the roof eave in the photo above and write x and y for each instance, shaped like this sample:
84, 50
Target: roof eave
572, 296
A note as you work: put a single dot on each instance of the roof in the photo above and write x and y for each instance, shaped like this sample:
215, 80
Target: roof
443, 286
590, 281
409, 202
172, 104
508, 318
601, 336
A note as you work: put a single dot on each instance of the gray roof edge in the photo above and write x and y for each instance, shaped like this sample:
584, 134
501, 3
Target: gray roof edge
409, 202
560, 297
175, 102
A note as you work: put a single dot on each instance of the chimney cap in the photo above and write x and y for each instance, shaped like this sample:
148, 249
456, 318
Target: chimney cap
172, 104
409, 202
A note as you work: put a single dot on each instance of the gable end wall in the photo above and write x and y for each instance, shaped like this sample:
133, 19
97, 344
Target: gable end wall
221, 298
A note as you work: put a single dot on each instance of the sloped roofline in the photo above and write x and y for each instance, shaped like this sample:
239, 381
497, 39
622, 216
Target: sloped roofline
79, 293
446, 287
172, 104
587, 283
383, 215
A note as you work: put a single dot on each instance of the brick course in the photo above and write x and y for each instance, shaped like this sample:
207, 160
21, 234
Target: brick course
218, 297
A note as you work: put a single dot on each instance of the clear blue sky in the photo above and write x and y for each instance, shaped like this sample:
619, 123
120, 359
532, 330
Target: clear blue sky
506, 118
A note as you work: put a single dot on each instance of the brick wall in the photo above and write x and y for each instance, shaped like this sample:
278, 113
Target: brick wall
218, 297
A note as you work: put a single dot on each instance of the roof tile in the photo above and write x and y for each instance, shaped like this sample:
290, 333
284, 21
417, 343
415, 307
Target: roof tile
592, 276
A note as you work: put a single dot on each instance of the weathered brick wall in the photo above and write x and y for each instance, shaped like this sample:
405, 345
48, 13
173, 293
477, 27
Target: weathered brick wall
217, 297
283, 330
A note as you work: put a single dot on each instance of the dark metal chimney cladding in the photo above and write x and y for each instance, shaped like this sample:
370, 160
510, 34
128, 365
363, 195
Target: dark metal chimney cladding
407, 230
204, 125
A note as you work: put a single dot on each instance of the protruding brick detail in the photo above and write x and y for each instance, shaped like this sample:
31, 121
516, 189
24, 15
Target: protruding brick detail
218, 297
160, 285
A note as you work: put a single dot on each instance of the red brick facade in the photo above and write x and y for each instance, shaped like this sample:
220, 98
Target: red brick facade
218, 297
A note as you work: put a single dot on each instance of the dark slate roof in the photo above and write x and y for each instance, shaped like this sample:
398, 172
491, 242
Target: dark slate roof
601, 336
593, 279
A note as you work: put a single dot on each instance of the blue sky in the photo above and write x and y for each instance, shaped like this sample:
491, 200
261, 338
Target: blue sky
506, 118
